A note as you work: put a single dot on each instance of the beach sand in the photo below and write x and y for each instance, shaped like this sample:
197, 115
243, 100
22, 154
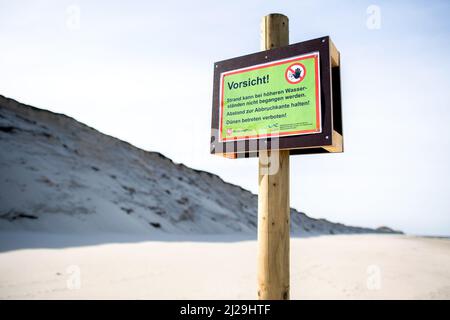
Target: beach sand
324, 267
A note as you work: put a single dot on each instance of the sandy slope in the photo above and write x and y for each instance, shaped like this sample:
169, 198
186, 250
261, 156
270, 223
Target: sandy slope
347, 266
59, 175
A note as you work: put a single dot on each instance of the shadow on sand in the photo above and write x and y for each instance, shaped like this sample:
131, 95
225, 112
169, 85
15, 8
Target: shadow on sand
10, 241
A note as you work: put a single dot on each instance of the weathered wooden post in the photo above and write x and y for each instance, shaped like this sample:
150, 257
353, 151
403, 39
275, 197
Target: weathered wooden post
282, 101
273, 196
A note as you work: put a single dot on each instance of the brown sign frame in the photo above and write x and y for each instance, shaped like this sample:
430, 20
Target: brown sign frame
330, 140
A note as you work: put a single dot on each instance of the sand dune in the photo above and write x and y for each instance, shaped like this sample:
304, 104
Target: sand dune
59, 175
325, 267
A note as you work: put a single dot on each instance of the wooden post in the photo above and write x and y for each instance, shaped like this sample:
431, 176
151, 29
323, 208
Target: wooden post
273, 197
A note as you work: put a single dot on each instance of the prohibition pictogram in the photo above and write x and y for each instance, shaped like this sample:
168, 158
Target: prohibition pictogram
295, 73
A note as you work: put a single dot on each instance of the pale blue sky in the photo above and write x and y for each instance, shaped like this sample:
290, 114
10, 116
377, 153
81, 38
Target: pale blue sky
113, 71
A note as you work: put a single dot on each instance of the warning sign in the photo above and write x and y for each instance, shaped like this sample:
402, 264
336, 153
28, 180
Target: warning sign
279, 98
